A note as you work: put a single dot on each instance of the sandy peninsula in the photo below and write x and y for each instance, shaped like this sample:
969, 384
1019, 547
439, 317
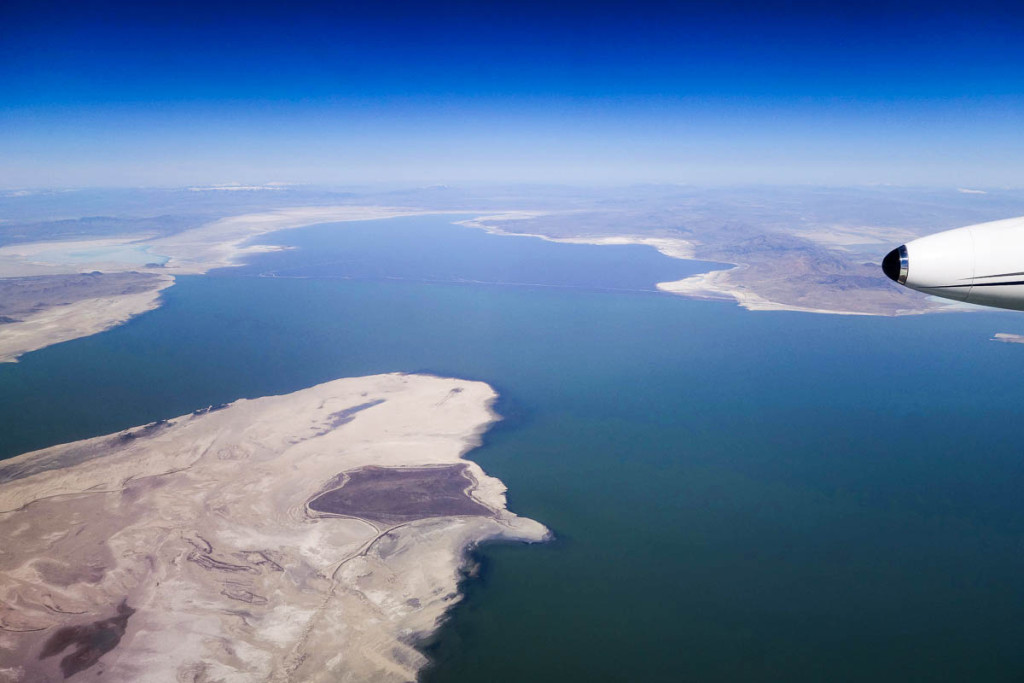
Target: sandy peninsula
718, 285
807, 271
722, 285
672, 247
36, 312
222, 243
218, 244
788, 268
214, 245
315, 536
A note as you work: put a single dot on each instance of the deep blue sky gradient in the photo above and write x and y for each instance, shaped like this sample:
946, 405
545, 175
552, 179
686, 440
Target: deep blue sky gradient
170, 93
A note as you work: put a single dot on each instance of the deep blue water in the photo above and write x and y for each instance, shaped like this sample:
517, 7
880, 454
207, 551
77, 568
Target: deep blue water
736, 495
431, 249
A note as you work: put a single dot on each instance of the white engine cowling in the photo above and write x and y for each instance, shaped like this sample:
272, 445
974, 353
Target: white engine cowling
980, 264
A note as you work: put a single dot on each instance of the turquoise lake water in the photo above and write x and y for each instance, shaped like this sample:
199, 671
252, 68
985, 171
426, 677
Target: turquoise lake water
737, 496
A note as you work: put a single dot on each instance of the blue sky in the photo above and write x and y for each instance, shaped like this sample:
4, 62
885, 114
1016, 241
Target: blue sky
181, 93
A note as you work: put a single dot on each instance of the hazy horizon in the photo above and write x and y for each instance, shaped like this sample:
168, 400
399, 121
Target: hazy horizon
118, 94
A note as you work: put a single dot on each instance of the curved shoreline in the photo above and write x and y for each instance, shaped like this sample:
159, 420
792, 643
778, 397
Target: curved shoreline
81, 318
717, 285
192, 252
201, 516
222, 243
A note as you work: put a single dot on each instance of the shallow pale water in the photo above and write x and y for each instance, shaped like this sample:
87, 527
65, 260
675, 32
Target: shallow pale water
130, 255
737, 495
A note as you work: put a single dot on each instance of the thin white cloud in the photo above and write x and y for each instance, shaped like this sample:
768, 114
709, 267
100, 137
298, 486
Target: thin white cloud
964, 190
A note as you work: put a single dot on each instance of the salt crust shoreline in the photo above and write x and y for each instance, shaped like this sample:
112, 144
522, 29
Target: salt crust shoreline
192, 252
201, 525
669, 246
71, 321
716, 285
221, 244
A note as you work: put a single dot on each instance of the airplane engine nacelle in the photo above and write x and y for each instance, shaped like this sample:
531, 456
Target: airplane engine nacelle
980, 264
